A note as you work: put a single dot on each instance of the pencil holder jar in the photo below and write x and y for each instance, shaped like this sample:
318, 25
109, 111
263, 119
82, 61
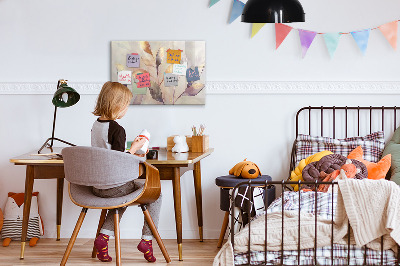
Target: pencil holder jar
200, 143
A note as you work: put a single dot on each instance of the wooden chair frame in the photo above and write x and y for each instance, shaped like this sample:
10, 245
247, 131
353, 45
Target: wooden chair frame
150, 193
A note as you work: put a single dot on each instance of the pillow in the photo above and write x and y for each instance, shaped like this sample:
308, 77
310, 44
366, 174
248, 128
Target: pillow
329, 164
296, 174
372, 144
375, 170
393, 148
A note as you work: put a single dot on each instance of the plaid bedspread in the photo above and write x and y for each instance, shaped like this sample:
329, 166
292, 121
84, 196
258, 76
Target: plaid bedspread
307, 202
324, 257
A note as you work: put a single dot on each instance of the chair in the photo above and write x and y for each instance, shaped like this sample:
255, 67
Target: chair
85, 167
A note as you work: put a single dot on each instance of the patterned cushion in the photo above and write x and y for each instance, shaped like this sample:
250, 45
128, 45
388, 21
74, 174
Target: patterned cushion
372, 144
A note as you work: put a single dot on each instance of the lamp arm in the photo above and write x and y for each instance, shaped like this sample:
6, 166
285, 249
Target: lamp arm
54, 118
46, 143
54, 126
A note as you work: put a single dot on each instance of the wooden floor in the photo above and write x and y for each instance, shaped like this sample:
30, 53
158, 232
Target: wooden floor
50, 252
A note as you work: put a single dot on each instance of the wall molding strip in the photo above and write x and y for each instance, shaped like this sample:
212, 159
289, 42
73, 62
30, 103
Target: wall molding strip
231, 87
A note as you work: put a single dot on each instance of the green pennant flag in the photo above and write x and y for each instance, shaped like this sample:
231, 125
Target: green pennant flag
213, 2
256, 27
332, 41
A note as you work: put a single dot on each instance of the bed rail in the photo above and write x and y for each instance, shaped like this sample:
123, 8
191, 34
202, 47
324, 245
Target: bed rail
265, 185
343, 118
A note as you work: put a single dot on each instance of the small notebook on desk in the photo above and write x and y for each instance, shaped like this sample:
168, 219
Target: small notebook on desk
52, 155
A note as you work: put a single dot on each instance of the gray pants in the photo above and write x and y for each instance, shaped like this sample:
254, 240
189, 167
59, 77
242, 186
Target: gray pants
154, 208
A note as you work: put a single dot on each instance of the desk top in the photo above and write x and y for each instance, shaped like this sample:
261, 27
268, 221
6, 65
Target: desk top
164, 157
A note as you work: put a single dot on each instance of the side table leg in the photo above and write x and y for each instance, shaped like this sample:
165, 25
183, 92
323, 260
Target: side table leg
199, 204
176, 184
27, 206
223, 229
60, 191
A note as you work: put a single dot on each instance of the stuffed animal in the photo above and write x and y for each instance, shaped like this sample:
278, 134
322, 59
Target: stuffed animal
180, 144
13, 215
1, 220
245, 169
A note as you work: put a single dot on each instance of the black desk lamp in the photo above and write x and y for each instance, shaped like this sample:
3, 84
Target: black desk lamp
65, 96
273, 11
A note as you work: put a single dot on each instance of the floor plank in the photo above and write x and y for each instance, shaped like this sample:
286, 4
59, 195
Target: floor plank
49, 252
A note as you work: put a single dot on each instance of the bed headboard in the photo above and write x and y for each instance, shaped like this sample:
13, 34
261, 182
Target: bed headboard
344, 121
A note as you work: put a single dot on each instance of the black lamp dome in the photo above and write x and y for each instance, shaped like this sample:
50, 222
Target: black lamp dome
273, 11
65, 96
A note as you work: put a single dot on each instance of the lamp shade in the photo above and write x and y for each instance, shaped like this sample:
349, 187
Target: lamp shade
273, 11
65, 96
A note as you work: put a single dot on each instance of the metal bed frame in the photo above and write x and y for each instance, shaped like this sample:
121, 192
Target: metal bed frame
283, 184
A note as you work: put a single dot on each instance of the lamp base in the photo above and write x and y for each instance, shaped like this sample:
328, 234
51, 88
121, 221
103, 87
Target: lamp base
50, 146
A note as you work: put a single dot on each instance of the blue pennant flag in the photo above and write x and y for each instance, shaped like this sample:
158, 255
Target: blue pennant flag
237, 9
213, 2
361, 38
332, 41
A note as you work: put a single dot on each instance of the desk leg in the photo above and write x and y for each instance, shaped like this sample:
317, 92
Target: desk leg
27, 206
60, 190
176, 182
197, 189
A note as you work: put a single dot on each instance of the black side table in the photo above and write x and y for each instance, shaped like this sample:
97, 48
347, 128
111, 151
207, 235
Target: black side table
226, 183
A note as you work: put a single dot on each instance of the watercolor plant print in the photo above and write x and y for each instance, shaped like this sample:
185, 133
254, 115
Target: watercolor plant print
161, 72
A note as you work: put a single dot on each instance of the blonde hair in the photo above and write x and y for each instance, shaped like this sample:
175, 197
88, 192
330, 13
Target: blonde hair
112, 99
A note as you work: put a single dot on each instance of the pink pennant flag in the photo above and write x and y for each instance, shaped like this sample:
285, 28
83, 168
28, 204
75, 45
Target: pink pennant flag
389, 30
281, 31
306, 39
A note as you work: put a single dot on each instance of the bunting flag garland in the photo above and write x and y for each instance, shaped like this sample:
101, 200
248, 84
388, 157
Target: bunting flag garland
306, 39
361, 37
281, 31
213, 2
256, 27
237, 9
332, 41
389, 30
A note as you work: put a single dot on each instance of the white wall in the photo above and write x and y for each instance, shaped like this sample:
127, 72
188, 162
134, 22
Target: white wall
42, 41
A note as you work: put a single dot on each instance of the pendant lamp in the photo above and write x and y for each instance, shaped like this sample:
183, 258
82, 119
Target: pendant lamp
64, 96
273, 11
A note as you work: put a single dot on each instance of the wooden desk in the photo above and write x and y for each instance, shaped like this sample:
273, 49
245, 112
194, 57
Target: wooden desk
40, 167
171, 167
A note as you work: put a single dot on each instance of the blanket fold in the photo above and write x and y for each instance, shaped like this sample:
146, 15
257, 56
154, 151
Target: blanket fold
372, 208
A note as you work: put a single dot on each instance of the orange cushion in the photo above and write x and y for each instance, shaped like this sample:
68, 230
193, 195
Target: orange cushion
375, 170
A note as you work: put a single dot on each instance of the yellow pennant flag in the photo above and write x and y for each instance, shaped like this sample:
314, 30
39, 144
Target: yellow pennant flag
256, 27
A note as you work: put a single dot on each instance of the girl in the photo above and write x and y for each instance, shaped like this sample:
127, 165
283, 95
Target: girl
112, 103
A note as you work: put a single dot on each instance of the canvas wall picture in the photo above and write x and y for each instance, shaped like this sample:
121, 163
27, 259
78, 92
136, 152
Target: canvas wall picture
161, 72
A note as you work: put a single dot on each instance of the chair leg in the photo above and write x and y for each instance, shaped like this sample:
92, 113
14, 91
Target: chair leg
154, 230
101, 222
73, 237
117, 239
223, 229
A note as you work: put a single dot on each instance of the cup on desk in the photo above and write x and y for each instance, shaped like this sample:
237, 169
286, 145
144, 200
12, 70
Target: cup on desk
152, 155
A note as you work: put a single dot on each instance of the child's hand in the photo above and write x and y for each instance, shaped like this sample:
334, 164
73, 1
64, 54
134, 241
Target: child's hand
143, 155
137, 144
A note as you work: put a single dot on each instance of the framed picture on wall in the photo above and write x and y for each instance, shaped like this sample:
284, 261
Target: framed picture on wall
161, 72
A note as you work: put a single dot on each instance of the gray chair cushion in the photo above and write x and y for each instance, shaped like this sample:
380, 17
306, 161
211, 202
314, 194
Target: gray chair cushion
99, 167
84, 196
